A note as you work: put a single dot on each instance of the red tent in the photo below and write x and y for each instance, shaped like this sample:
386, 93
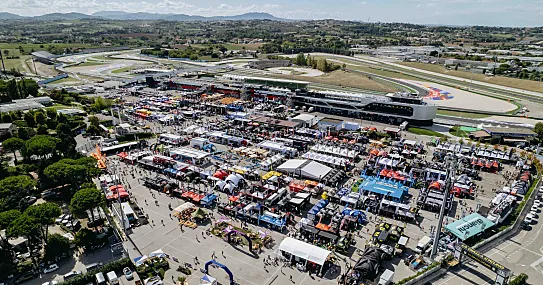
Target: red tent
221, 174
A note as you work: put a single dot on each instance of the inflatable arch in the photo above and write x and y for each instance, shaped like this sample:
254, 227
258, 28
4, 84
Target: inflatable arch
230, 275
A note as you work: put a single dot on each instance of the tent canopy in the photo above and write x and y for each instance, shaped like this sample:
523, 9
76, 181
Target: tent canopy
200, 214
304, 250
469, 226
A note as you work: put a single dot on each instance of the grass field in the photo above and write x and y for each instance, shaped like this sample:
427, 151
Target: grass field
346, 79
122, 70
425, 132
61, 107
462, 114
65, 81
498, 80
17, 63
91, 63
36, 47
232, 46
356, 65
455, 131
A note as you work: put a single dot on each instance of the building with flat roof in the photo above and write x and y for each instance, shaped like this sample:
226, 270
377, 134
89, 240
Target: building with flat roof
7, 128
25, 104
43, 57
504, 135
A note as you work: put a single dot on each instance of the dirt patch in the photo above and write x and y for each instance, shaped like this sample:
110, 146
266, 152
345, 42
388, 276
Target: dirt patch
346, 79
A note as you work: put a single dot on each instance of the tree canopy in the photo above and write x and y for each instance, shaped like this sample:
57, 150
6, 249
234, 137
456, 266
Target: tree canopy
86, 199
13, 189
44, 215
71, 171
13, 145
24, 225
538, 129
57, 245
41, 146
7, 217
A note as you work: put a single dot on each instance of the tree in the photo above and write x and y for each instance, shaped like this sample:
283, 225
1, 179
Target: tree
223, 49
29, 119
44, 214
322, 65
57, 245
6, 52
538, 129
13, 189
41, 146
85, 238
14, 145
434, 53
39, 117
70, 171
6, 118
23, 226
94, 121
300, 59
93, 130
42, 130
51, 114
343, 67
86, 199
7, 217
12, 90
25, 133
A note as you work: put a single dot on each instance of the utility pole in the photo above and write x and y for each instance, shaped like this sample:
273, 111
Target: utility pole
451, 164
2, 58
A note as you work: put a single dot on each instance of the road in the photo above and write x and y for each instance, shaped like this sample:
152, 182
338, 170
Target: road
522, 253
486, 84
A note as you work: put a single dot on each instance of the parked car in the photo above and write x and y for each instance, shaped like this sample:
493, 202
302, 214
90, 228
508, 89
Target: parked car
50, 268
71, 275
52, 282
48, 194
128, 273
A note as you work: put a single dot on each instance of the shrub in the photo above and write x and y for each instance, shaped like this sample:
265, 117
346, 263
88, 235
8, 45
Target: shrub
519, 280
88, 277
161, 273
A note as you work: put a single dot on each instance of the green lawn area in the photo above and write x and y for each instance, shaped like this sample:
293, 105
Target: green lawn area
425, 132
101, 57
462, 114
457, 132
61, 107
36, 47
208, 58
231, 46
122, 70
66, 81
16, 63
530, 85
91, 63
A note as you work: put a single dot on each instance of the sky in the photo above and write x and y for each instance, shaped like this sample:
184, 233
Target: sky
444, 12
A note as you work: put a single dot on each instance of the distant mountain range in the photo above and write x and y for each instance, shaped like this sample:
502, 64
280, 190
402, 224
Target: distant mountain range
120, 15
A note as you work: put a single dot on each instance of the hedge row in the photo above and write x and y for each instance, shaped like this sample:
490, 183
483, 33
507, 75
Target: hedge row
407, 279
89, 277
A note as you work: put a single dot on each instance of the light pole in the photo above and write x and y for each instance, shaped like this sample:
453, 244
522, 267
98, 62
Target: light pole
451, 164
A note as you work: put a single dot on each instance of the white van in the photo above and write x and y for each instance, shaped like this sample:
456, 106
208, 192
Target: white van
112, 278
423, 244
100, 279
386, 278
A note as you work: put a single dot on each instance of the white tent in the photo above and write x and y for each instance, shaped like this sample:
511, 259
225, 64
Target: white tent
183, 207
208, 280
291, 165
304, 250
